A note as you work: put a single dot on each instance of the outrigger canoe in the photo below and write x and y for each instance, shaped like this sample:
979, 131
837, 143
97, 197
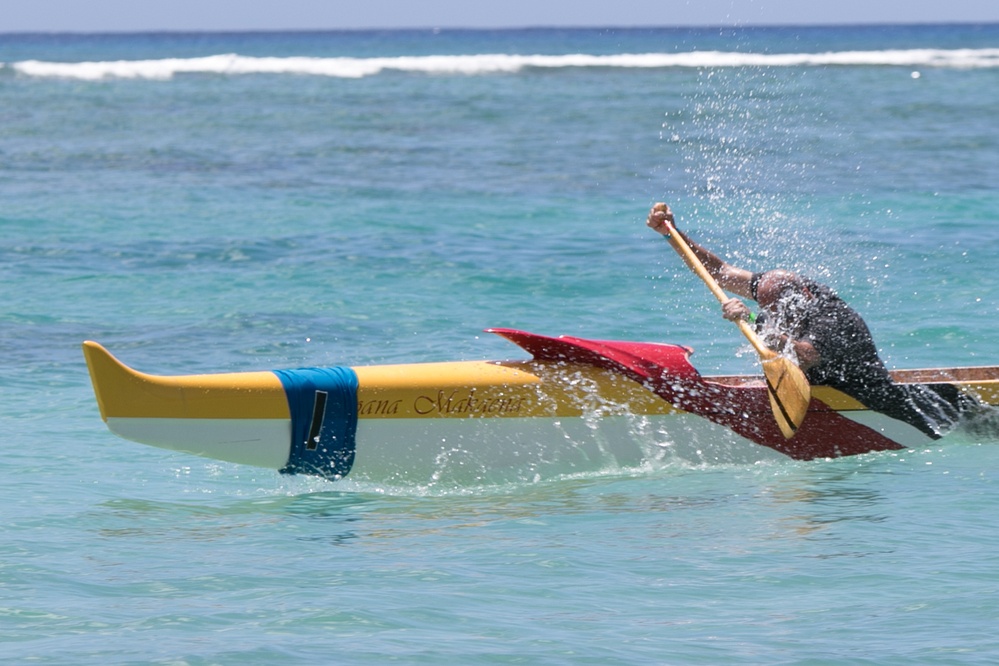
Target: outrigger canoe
576, 405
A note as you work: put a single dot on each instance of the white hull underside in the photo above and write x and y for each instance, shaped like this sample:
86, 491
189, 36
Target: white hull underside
484, 449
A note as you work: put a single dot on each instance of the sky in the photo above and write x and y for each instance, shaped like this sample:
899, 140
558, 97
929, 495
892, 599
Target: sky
224, 15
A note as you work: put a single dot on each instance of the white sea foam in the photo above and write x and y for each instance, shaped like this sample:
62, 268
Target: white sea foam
233, 64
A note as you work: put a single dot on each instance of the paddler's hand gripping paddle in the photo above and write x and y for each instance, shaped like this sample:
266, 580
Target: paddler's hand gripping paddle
786, 384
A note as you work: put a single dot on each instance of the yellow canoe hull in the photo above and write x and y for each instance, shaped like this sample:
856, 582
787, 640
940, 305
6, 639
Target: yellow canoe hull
562, 412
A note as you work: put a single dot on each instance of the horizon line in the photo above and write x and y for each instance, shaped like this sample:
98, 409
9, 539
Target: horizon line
512, 28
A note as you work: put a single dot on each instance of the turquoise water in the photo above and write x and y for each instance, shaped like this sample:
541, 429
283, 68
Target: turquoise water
202, 215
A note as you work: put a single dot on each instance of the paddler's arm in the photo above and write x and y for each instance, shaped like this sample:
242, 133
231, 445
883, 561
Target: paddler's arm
731, 279
805, 352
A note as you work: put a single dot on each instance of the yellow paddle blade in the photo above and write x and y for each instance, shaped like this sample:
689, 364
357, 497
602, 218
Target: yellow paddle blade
789, 393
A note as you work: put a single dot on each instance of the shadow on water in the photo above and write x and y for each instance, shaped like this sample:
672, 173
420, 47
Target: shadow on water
309, 509
823, 499
821, 502
876, 503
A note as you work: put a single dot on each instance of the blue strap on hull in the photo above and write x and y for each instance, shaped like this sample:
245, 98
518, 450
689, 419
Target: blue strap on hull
323, 406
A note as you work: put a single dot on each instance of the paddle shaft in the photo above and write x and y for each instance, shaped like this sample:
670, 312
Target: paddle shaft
691, 259
787, 386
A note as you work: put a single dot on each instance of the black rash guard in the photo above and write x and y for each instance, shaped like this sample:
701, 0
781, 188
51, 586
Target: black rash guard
849, 361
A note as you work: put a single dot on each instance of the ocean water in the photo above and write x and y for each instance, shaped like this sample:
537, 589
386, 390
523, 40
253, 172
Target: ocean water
229, 202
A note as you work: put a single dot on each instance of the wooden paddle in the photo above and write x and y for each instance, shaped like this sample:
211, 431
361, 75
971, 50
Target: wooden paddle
787, 385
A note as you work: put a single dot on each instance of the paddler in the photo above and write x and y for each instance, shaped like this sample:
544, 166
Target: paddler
830, 342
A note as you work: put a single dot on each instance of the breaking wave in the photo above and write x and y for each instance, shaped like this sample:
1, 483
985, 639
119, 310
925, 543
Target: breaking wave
471, 65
